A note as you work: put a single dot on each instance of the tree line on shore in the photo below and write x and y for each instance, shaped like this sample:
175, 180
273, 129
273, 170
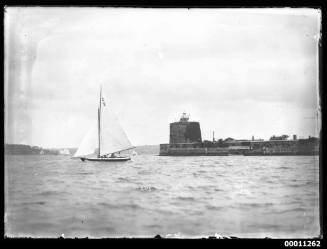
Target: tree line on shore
22, 149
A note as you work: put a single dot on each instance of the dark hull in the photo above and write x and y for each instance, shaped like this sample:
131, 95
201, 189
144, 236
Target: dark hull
109, 159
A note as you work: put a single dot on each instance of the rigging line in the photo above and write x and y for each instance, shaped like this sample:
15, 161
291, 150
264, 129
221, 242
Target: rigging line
121, 150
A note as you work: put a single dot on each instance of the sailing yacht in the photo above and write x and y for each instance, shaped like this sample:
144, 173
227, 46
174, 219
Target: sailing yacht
105, 138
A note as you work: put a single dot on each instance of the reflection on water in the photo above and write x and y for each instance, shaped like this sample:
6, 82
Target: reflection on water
47, 196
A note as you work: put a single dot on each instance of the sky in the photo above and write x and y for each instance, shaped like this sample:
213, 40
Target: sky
239, 72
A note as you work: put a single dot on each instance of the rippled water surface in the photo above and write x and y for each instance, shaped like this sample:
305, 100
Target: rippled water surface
47, 196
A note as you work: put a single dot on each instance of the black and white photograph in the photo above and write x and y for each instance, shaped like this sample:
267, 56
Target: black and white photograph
130, 122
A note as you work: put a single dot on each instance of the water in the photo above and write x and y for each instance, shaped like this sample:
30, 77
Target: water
50, 196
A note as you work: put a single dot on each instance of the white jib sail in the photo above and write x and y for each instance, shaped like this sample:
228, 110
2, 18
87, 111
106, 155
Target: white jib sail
89, 143
113, 138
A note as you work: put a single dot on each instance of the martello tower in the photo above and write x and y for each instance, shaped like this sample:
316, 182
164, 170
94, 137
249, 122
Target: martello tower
185, 131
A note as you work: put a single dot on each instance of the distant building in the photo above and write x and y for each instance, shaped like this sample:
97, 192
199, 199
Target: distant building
185, 140
64, 152
283, 137
185, 131
308, 146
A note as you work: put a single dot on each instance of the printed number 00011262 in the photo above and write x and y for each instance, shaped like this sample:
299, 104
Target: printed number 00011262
302, 243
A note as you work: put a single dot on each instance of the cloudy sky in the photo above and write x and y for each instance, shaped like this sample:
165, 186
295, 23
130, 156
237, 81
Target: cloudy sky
239, 72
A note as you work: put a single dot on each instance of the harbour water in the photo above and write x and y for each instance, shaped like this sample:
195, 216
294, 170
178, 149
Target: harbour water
52, 196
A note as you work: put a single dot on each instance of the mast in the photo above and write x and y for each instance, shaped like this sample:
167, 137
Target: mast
99, 121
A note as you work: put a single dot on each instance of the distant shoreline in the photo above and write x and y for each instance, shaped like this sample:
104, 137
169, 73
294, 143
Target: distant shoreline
23, 149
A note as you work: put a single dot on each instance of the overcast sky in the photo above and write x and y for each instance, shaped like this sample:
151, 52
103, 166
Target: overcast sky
238, 72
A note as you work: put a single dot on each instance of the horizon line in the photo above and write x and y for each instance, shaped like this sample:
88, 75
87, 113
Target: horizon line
216, 140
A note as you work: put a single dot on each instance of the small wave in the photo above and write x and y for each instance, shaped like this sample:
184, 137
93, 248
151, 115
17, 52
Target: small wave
124, 179
209, 165
85, 173
284, 167
146, 189
34, 203
297, 184
298, 209
144, 172
255, 205
204, 187
163, 211
131, 206
186, 198
50, 192
211, 207
120, 206
201, 171
311, 183
196, 213
296, 201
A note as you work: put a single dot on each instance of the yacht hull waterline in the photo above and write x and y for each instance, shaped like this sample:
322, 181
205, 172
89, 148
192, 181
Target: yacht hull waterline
114, 159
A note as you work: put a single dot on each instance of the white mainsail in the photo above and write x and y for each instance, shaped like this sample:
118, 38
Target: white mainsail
112, 138
89, 143
111, 134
